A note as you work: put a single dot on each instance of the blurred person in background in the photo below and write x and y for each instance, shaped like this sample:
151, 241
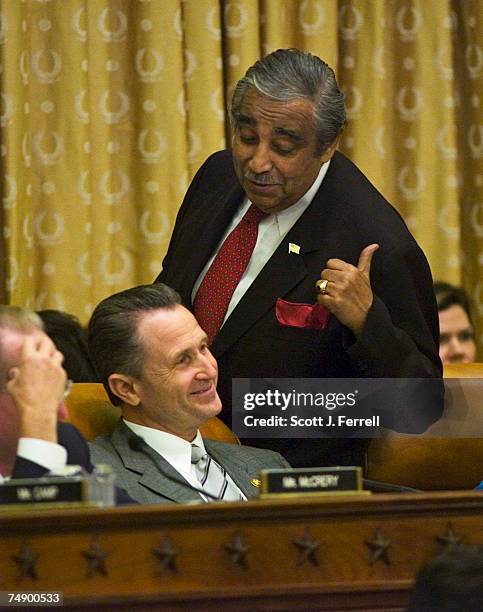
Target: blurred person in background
70, 338
451, 582
33, 386
457, 337
32, 389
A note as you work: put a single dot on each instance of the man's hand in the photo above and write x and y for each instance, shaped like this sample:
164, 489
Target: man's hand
348, 293
37, 387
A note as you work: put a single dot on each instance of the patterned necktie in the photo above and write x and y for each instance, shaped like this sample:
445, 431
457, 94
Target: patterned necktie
212, 476
224, 274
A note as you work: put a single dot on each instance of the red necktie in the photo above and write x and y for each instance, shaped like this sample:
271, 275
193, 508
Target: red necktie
224, 274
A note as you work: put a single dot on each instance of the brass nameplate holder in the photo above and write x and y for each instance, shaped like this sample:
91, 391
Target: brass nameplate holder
311, 481
45, 490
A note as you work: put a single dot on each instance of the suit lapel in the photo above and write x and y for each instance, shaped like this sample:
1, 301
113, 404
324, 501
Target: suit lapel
280, 275
158, 482
157, 475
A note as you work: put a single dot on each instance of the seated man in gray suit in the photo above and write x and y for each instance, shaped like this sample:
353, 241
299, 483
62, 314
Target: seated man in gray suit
153, 359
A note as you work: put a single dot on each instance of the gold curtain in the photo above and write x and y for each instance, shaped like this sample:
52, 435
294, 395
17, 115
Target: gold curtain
108, 107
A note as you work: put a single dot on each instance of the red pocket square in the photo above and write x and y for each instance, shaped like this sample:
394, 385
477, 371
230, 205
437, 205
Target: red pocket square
308, 316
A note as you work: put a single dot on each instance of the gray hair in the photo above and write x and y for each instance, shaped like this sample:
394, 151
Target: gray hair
287, 74
18, 319
113, 341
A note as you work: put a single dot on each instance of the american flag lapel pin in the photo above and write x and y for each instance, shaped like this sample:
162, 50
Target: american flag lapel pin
293, 248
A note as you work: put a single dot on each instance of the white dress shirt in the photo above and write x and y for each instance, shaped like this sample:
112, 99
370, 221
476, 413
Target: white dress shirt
49, 455
175, 450
271, 232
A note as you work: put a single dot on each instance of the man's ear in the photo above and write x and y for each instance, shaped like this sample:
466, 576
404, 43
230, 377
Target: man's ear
122, 386
329, 152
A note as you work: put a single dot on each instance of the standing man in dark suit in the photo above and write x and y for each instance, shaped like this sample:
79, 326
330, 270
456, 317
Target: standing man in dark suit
154, 361
326, 236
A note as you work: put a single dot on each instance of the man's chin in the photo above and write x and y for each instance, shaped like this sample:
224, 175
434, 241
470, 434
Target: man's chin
209, 403
269, 203
216, 406
263, 196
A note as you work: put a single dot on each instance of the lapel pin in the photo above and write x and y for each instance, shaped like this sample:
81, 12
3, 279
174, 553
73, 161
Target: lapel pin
256, 482
293, 248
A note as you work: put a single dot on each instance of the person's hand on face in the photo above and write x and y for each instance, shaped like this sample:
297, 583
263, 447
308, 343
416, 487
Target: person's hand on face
37, 386
347, 293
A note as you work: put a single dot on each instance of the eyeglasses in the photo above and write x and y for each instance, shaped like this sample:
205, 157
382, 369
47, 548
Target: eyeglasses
68, 387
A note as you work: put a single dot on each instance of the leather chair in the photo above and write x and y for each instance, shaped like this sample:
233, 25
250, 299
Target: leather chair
93, 414
436, 461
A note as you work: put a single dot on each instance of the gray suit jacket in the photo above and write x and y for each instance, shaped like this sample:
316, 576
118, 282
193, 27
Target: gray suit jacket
149, 481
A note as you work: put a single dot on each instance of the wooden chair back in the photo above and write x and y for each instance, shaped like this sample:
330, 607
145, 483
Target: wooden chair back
438, 460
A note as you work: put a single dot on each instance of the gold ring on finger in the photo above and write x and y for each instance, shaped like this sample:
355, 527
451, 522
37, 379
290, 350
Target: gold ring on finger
322, 286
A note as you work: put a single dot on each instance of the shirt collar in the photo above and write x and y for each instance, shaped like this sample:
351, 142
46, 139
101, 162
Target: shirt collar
174, 449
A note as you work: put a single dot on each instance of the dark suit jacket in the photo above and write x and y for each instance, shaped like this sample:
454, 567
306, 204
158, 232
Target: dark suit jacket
150, 479
400, 338
77, 454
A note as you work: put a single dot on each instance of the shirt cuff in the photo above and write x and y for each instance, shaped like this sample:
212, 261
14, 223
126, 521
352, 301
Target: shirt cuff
47, 454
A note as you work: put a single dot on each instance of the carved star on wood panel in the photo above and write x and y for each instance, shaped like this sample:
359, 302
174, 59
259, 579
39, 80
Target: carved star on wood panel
450, 538
378, 548
166, 555
237, 550
308, 547
95, 556
26, 560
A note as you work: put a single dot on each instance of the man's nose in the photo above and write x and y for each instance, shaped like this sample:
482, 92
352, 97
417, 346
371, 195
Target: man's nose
208, 366
260, 161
